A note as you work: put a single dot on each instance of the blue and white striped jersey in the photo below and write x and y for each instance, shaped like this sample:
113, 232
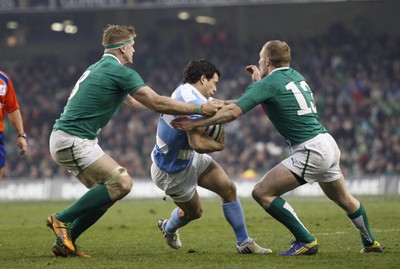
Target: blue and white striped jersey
172, 152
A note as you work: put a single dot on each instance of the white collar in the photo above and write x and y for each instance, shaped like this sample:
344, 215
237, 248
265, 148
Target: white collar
278, 69
109, 54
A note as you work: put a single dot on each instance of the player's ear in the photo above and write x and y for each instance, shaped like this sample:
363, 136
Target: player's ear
203, 79
122, 49
267, 61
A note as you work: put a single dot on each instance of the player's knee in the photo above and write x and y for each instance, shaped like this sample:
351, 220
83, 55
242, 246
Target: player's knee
229, 193
118, 182
122, 187
257, 194
262, 197
125, 184
196, 214
232, 189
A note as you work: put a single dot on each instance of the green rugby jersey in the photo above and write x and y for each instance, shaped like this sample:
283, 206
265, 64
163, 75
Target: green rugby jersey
288, 101
97, 96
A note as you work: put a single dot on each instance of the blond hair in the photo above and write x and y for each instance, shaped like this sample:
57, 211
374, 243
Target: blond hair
278, 52
115, 34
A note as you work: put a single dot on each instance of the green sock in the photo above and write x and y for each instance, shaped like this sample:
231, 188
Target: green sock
360, 221
95, 198
284, 213
84, 222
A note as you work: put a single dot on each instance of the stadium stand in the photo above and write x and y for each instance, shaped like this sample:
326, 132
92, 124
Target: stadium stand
355, 78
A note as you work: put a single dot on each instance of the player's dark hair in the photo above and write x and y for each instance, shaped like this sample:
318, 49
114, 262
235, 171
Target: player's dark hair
196, 68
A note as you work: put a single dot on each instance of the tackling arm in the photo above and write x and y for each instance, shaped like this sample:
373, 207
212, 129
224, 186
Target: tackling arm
167, 105
226, 114
132, 103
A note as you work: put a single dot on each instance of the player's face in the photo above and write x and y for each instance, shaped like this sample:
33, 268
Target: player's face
210, 86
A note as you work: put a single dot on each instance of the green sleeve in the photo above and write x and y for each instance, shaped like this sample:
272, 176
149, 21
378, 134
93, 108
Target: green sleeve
255, 94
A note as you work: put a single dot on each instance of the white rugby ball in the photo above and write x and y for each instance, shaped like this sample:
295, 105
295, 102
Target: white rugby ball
215, 131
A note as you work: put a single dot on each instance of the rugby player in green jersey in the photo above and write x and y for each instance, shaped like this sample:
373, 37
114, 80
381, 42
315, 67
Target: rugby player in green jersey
95, 98
314, 155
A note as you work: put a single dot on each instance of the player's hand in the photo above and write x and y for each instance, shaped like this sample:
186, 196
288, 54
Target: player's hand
254, 72
211, 107
22, 145
183, 124
218, 102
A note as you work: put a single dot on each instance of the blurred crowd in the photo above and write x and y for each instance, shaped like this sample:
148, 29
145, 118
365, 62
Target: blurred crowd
355, 78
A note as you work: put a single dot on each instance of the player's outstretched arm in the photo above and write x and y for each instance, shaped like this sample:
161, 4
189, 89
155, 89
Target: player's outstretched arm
167, 105
133, 103
226, 114
223, 102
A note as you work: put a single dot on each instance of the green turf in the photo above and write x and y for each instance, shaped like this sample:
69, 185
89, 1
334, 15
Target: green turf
127, 236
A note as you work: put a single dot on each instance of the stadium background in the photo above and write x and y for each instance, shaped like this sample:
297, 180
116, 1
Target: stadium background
349, 51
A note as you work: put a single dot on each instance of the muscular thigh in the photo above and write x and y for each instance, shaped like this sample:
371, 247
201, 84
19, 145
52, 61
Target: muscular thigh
277, 181
97, 171
215, 179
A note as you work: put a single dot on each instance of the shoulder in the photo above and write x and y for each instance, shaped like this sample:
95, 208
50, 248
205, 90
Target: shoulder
280, 76
296, 73
110, 64
129, 72
5, 83
188, 94
4, 76
261, 85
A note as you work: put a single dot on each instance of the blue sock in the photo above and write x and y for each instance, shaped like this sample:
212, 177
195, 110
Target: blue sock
233, 213
175, 222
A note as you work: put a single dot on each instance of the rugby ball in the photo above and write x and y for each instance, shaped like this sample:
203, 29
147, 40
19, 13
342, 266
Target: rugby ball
215, 131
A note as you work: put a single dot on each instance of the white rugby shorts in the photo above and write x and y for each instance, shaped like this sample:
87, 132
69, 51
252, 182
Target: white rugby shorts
317, 159
181, 186
72, 152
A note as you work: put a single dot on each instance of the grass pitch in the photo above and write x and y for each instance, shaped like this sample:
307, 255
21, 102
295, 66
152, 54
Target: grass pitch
127, 236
